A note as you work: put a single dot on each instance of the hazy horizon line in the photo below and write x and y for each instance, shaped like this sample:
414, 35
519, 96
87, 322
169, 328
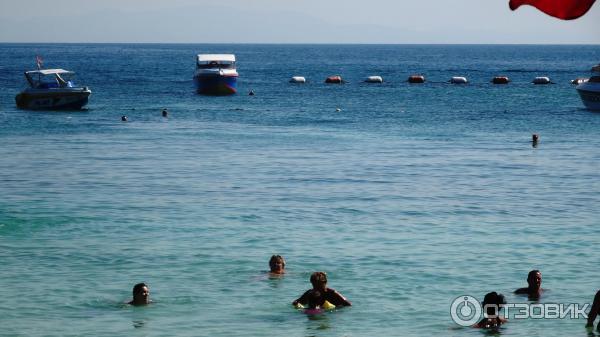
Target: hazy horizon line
315, 43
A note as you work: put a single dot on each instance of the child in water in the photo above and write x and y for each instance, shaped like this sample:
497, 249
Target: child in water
320, 294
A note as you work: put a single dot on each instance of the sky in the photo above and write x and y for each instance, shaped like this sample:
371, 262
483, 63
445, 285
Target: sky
286, 21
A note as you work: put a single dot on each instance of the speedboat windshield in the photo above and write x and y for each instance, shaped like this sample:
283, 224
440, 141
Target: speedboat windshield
216, 64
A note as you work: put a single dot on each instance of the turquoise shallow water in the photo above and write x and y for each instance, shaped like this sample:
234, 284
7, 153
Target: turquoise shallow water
408, 197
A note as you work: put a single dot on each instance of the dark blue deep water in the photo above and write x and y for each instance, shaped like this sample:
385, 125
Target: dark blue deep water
408, 196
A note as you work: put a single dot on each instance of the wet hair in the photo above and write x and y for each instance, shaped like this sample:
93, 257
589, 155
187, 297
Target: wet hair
276, 258
532, 274
318, 278
492, 303
138, 287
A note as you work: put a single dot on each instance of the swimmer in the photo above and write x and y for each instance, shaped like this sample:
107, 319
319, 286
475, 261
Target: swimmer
315, 299
492, 302
534, 289
251, 93
535, 138
317, 296
316, 303
124, 118
141, 295
165, 113
594, 312
277, 265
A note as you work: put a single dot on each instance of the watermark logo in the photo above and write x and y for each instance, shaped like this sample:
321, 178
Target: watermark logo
467, 311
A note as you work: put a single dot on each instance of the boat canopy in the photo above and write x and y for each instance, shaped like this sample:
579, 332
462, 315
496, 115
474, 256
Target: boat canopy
220, 58
49, 72
210, 60
49, 78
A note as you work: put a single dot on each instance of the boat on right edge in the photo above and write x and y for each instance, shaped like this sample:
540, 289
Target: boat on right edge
589, 91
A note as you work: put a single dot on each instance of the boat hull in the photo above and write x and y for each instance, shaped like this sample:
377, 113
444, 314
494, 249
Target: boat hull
217, 85
591, 99
71, 99
590, 95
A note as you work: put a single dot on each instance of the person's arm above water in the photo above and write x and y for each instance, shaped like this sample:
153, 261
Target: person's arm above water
594, 311
336, 298
302, 299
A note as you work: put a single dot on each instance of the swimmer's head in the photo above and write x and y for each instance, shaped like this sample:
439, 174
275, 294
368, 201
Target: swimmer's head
492, 302
318, 280
141, 294
277, 264
534, 279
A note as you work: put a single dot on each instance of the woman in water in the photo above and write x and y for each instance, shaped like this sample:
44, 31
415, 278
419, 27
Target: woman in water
141, 295
277, 265
492, 302
315, 298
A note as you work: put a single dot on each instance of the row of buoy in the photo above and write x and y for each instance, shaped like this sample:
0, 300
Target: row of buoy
337, 79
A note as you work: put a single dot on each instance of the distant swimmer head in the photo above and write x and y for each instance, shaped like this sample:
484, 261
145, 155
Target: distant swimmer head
141, 294
319, 280
165, 113
535, 139
534, 279
124, 118
277, 264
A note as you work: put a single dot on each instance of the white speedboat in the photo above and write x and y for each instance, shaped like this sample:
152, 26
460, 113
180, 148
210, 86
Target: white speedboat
52, 89
216, 74
589, 91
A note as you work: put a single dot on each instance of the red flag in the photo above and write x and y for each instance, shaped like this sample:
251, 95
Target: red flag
562, 9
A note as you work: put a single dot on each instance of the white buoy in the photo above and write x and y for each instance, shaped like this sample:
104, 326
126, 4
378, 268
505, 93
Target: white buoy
374, 79
458, 80
298, 79
541, 80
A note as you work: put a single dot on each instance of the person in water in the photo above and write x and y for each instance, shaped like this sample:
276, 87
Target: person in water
316, 297
141, 295
492, 303
277, 265
534, 289
594, 312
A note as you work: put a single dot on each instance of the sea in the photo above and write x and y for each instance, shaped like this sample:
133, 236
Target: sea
409, 196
